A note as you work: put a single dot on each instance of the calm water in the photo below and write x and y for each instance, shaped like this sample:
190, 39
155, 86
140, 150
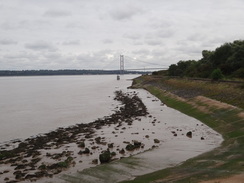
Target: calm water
34, 105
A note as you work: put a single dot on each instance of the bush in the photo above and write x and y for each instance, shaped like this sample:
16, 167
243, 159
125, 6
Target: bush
217, 75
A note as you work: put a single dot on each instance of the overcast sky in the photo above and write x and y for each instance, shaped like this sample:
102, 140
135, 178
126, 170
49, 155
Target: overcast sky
92, 34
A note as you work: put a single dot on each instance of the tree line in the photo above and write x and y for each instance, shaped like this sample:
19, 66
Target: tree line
225, 61
63, 72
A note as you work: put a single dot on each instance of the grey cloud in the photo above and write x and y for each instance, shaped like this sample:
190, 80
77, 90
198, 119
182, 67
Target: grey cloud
57, 13
103, 59
7, 26
141, 52
107, 41
13, 25
160, 33
7, 42
19, 56
138, 28
161, 23
36, 25
196, 37
74, 25
133, 36
164, 33
52, 55
153, 42
192, 50
40, 46
73, 42
124, 12
138, 43
18, 61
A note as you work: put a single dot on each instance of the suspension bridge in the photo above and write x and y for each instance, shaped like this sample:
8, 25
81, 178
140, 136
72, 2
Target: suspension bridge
153, 66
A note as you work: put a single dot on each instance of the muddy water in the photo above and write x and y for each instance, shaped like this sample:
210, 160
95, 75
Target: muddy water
33, 105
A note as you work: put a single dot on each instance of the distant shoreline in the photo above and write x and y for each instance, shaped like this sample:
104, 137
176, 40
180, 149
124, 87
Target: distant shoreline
64, 72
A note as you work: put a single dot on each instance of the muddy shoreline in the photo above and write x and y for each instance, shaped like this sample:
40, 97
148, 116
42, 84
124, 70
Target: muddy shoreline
222, 164
34, 158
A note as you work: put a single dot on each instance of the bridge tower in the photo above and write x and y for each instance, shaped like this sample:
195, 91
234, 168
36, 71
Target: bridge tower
122, 64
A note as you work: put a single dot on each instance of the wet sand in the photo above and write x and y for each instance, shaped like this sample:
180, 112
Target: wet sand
165, 124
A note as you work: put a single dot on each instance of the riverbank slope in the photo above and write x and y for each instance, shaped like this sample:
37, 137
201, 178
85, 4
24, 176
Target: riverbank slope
218, 105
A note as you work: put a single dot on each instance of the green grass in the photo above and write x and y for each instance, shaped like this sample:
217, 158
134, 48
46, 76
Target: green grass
226, 160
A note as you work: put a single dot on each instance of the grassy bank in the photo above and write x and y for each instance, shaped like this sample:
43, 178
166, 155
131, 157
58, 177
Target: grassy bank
202, 101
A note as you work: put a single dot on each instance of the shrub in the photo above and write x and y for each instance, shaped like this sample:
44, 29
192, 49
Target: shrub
217, 75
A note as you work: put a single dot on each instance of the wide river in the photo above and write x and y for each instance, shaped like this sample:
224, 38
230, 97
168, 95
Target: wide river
34, 105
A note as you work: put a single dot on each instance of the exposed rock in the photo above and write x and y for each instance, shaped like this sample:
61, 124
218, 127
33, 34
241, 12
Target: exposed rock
86, 151
137, 144
21, 166
113, 153
95, 161
19, 174
105, 157
189, 134
82, 144
131, 147
88, 136
42, 167
122, 151
27, 153
111, 145
156, 141
6, 179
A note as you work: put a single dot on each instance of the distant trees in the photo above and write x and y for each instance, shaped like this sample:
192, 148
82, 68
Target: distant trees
228, 59
63, 72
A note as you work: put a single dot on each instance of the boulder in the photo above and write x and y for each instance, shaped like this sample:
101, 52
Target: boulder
122, 151
110, 145
156, 141
82, 144
189, 134
105, 157
130, 147
95, 161
137, 144
86, 151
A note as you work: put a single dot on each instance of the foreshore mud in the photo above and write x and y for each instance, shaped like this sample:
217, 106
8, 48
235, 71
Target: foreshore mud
205, 102
51, 153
